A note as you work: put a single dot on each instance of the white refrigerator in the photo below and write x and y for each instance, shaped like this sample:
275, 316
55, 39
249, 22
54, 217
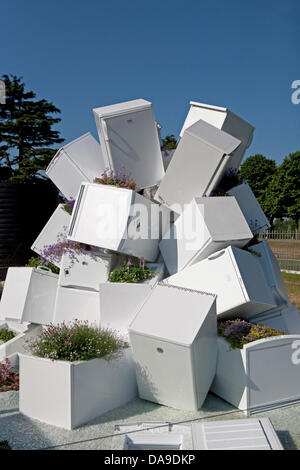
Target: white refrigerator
174, 343
285, 318
55, 230
235, 276
80, 160
207, 225
116, 219
197, 165
250, 207
223, 119
120, 301
29, 295
272, 271
130, 142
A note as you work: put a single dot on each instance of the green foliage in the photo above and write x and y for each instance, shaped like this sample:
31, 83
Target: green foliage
240, 332
77, 341
6, 335
118, 179
35, 262
25, 133
259, 171
130, 274
169, 142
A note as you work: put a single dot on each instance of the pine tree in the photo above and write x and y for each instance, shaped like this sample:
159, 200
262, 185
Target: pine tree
26, 133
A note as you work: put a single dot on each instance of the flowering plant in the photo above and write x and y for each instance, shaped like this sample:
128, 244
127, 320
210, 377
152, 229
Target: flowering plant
77, 341
6, 335
8, 379
69, 205
118, 178
131, 273
239, 332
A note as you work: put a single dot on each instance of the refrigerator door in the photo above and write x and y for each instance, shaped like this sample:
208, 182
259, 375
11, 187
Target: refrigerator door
36, 289
250, 207
100, 215
80, 160
223, 119
73, 303
130, 141
235, 434
116, 219
197, 165
12, 306
55, 228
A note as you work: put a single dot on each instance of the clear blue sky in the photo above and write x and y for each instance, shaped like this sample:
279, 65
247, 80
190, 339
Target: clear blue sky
239, 54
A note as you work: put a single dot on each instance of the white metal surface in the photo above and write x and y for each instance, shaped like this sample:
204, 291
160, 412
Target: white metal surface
236, 434
152, 435
250, 207
69, 394
272, 271
264, 375
120, 302
285, 318
29, 295
18, 344
129, 139
80, 160
86, 269
115, 219
197, 165
174, 335
223, 119
73, 303
207, 225
235, 276
56, 226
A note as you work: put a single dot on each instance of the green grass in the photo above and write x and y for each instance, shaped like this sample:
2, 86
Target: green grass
292, 282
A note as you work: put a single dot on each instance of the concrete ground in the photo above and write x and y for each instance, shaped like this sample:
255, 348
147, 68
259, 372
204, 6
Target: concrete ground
24, 433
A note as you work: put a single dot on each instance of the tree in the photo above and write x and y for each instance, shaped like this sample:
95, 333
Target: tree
26, 133
259, 172
283, 193
169, 142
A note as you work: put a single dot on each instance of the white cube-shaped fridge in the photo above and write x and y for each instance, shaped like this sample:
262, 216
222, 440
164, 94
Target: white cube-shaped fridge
174, 342
29, 295
284, 318
86, 269
223, 119
120, 301
250, 207
129, 140
235, 276
80, 160
116, 219
272, 271
73, 303
197, 166
54, 231
206, 225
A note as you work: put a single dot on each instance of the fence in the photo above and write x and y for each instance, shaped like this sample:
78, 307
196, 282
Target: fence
286, 247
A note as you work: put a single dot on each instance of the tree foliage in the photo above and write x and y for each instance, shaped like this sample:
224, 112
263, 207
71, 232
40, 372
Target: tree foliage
169, 142
26, 132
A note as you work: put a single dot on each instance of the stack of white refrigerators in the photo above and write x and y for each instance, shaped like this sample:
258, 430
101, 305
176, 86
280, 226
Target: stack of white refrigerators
203, 243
